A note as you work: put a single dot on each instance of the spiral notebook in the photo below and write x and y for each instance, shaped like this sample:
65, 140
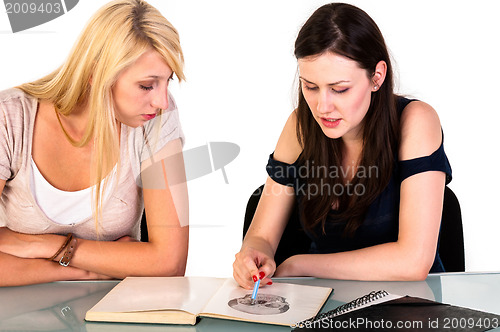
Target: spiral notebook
367, 300
380, 311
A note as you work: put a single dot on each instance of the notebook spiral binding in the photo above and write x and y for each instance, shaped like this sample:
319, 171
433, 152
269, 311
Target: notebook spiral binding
360, 301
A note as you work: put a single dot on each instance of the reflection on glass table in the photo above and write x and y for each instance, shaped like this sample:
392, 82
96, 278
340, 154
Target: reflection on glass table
61, 306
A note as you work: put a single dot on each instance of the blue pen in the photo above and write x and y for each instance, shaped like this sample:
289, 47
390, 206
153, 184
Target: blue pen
255, 289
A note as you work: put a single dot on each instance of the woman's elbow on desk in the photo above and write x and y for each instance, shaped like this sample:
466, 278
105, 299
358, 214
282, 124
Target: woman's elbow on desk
166, 266
160, 268
171, 267
417, 272
170, 262
413, 265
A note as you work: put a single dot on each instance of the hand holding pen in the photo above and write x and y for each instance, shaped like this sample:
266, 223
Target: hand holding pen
257, 285
255, 290
252, 265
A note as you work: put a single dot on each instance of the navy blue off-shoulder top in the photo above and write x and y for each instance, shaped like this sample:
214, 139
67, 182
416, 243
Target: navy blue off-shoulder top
381, 222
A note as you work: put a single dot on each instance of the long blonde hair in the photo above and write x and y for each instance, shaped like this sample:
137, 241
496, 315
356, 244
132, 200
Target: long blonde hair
114, 38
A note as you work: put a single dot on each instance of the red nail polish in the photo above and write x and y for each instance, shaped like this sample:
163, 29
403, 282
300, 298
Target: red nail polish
254, 278
270, 283
261, 275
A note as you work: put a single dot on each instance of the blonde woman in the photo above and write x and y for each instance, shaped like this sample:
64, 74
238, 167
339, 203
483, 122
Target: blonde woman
85, 149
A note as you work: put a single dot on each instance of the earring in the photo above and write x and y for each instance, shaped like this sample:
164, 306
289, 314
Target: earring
375, 87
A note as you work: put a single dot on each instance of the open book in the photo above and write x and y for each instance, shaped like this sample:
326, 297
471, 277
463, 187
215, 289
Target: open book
180, 300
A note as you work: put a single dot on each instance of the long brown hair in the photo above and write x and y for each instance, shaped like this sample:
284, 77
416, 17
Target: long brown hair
347, 31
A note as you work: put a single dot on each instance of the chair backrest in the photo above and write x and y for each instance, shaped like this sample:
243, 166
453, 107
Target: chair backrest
451, 235
144, 228
451, 240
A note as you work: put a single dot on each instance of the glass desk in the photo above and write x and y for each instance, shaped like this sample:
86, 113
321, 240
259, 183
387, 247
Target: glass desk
61, 306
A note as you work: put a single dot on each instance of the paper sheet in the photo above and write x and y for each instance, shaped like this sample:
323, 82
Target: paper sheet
279, 303
149, 293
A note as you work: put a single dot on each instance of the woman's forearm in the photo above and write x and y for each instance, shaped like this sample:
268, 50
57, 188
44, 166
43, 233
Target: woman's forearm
118, 259
259, 244
388, 261
121, 259
15, 271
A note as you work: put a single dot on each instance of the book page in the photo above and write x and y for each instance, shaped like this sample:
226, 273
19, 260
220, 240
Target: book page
279, 303
135, 294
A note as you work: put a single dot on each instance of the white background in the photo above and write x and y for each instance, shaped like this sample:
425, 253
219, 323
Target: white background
241, 83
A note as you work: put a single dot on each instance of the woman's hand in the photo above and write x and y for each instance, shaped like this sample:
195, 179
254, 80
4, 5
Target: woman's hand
28, 245
251, 265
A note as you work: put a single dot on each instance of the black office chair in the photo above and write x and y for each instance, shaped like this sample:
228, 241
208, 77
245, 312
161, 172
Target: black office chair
451, 244
144, 228
451, 235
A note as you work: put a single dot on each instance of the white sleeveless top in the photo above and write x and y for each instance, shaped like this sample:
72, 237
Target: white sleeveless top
64, 207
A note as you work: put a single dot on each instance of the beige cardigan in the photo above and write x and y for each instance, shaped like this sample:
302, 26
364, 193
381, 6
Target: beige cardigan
121, 213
